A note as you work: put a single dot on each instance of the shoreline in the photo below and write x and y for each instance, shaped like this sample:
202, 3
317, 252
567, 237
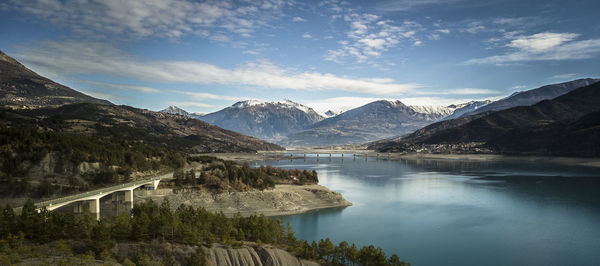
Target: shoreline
283, 200
574, 161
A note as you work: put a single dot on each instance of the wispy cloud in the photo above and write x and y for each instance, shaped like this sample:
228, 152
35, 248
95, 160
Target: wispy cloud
541, 41
369, 35
124, 87
142, 18
191, 104
73, 58
298, 19
404, 5
468, 91
209, 96
565, 76
545, 46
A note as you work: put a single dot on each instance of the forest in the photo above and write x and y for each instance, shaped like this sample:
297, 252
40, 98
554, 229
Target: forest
22, 147
223, 175
80, 237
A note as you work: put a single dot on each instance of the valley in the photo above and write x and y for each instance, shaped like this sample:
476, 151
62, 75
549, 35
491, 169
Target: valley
282, 132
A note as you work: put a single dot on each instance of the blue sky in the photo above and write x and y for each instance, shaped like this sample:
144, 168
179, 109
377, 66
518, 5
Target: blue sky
206, 55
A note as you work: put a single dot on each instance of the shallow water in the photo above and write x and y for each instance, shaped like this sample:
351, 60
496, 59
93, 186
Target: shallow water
434, 212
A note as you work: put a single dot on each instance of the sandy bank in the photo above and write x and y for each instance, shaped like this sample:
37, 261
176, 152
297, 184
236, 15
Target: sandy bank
282, 200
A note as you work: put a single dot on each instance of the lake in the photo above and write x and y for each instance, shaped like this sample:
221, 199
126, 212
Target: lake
452, 212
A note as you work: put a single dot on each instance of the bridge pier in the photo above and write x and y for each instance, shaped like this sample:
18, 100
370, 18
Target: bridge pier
129, 197
94, 206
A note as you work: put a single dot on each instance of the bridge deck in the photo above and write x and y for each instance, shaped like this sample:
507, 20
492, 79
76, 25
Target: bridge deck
94, 194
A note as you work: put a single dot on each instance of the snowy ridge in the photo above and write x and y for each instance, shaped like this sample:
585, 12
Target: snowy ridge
432, 110
282, 104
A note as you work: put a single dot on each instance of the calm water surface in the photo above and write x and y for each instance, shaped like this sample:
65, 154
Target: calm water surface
434, 212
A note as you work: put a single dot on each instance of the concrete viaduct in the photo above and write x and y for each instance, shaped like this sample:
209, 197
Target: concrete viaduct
302, 153
91, 199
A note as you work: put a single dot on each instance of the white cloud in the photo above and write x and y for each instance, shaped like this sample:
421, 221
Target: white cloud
541, 41
369, 36
544, 46
298, 19
142, 18
210, 96
306, 35
565, 76
404, 5
190, 104
73, 58
444, 31
125, 87
467, 91
475, 29
103, 95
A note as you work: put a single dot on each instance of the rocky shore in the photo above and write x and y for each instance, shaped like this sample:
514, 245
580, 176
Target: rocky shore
282, 200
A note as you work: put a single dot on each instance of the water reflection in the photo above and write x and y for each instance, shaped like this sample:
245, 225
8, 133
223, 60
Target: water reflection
435, 212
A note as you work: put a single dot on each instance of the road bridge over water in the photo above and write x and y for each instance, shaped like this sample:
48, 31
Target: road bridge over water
293, 154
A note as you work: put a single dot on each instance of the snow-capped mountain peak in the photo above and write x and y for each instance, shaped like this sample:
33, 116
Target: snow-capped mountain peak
248, 103
175, 110
178, 111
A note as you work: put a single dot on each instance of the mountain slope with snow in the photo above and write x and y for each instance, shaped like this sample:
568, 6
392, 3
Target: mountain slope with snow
533, 96
266, 120
178, 111
376, 120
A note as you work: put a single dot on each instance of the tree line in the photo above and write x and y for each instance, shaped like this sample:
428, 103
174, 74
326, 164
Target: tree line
225, 175
149, 221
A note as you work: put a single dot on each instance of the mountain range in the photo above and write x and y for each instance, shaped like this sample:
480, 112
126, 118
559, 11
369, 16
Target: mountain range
568, 125
31, 100
531, 97
295, 125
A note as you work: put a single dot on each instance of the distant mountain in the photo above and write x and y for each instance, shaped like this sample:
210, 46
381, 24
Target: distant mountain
265, 120
531, 97
567, 125
376, 120
178, 111
461, 109
22, 88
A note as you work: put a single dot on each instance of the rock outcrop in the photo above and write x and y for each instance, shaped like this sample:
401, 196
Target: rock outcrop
253, 256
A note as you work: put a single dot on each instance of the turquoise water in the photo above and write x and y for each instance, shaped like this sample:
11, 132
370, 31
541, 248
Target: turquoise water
436, 212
